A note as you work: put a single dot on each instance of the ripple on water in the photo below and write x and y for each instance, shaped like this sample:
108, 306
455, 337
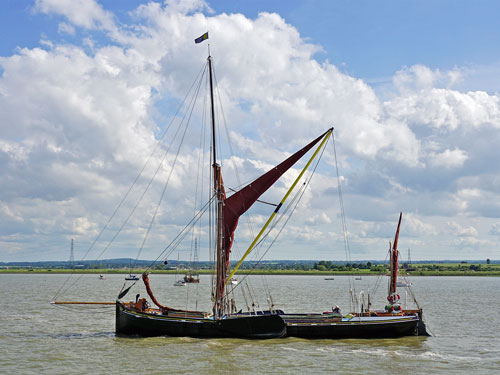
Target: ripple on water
38, 338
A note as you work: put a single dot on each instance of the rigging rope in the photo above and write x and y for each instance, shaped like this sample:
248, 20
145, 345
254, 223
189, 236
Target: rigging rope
235, 249
324, 139
293, 203
182, 234
379, 278
175, 242
133, 209
192, 104
344, 226
199, 191
158, 143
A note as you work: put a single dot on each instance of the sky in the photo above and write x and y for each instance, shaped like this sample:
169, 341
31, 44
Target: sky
88, 87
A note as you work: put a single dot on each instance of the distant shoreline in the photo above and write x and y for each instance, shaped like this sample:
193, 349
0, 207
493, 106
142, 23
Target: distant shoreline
495, 272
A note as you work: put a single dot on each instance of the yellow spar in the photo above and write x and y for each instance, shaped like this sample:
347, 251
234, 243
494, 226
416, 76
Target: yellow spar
250, 248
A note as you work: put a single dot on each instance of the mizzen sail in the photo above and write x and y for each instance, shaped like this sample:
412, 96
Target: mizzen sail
394, 262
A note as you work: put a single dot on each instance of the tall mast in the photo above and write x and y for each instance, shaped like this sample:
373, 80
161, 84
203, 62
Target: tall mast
394, 261
218, 190
212, 112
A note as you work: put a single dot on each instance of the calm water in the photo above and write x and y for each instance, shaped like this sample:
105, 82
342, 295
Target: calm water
39, 338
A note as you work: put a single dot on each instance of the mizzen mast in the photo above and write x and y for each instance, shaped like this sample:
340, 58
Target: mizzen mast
393, 297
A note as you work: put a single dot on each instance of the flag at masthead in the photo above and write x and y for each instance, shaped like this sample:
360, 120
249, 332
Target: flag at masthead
201, 38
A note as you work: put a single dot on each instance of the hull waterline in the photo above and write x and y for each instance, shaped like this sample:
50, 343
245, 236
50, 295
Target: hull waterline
299, 325
132, 322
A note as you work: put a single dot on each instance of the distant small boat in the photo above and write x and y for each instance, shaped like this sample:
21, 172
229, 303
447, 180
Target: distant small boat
233, 281
192, 275
403, 284
190, 279
101, 277
329, 278
358, 278
131, 277
180, 283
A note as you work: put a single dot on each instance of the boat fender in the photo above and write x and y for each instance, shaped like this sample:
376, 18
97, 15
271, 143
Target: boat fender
393, 298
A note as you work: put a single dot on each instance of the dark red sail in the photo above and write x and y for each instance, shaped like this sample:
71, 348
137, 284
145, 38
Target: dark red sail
238, 203
145, 279
394, 261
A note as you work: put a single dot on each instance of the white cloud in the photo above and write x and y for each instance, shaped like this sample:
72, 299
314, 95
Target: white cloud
82, 120
420, 78
417, 77
460, 231
88, 14
449, 158
417, 227
186, 6
82, 226
7, 213
321, 218
448, 109
472, 243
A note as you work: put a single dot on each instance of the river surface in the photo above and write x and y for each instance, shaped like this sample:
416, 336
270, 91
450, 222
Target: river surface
39, 338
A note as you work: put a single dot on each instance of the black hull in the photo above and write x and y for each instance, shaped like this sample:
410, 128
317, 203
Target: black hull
132, 322
352, 329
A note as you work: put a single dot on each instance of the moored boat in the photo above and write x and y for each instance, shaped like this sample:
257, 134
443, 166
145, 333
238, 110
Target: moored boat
190, 279
392, 321
180, 282
403, 284
192, 276
350, 326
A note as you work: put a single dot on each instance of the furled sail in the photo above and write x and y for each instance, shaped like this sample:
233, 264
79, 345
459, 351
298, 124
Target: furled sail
238, 203
164, 309
145, 279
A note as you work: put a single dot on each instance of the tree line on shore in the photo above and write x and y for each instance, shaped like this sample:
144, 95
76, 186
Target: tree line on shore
277, 266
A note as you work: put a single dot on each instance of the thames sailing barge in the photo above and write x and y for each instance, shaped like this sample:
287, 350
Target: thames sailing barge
393, 321
138, 318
